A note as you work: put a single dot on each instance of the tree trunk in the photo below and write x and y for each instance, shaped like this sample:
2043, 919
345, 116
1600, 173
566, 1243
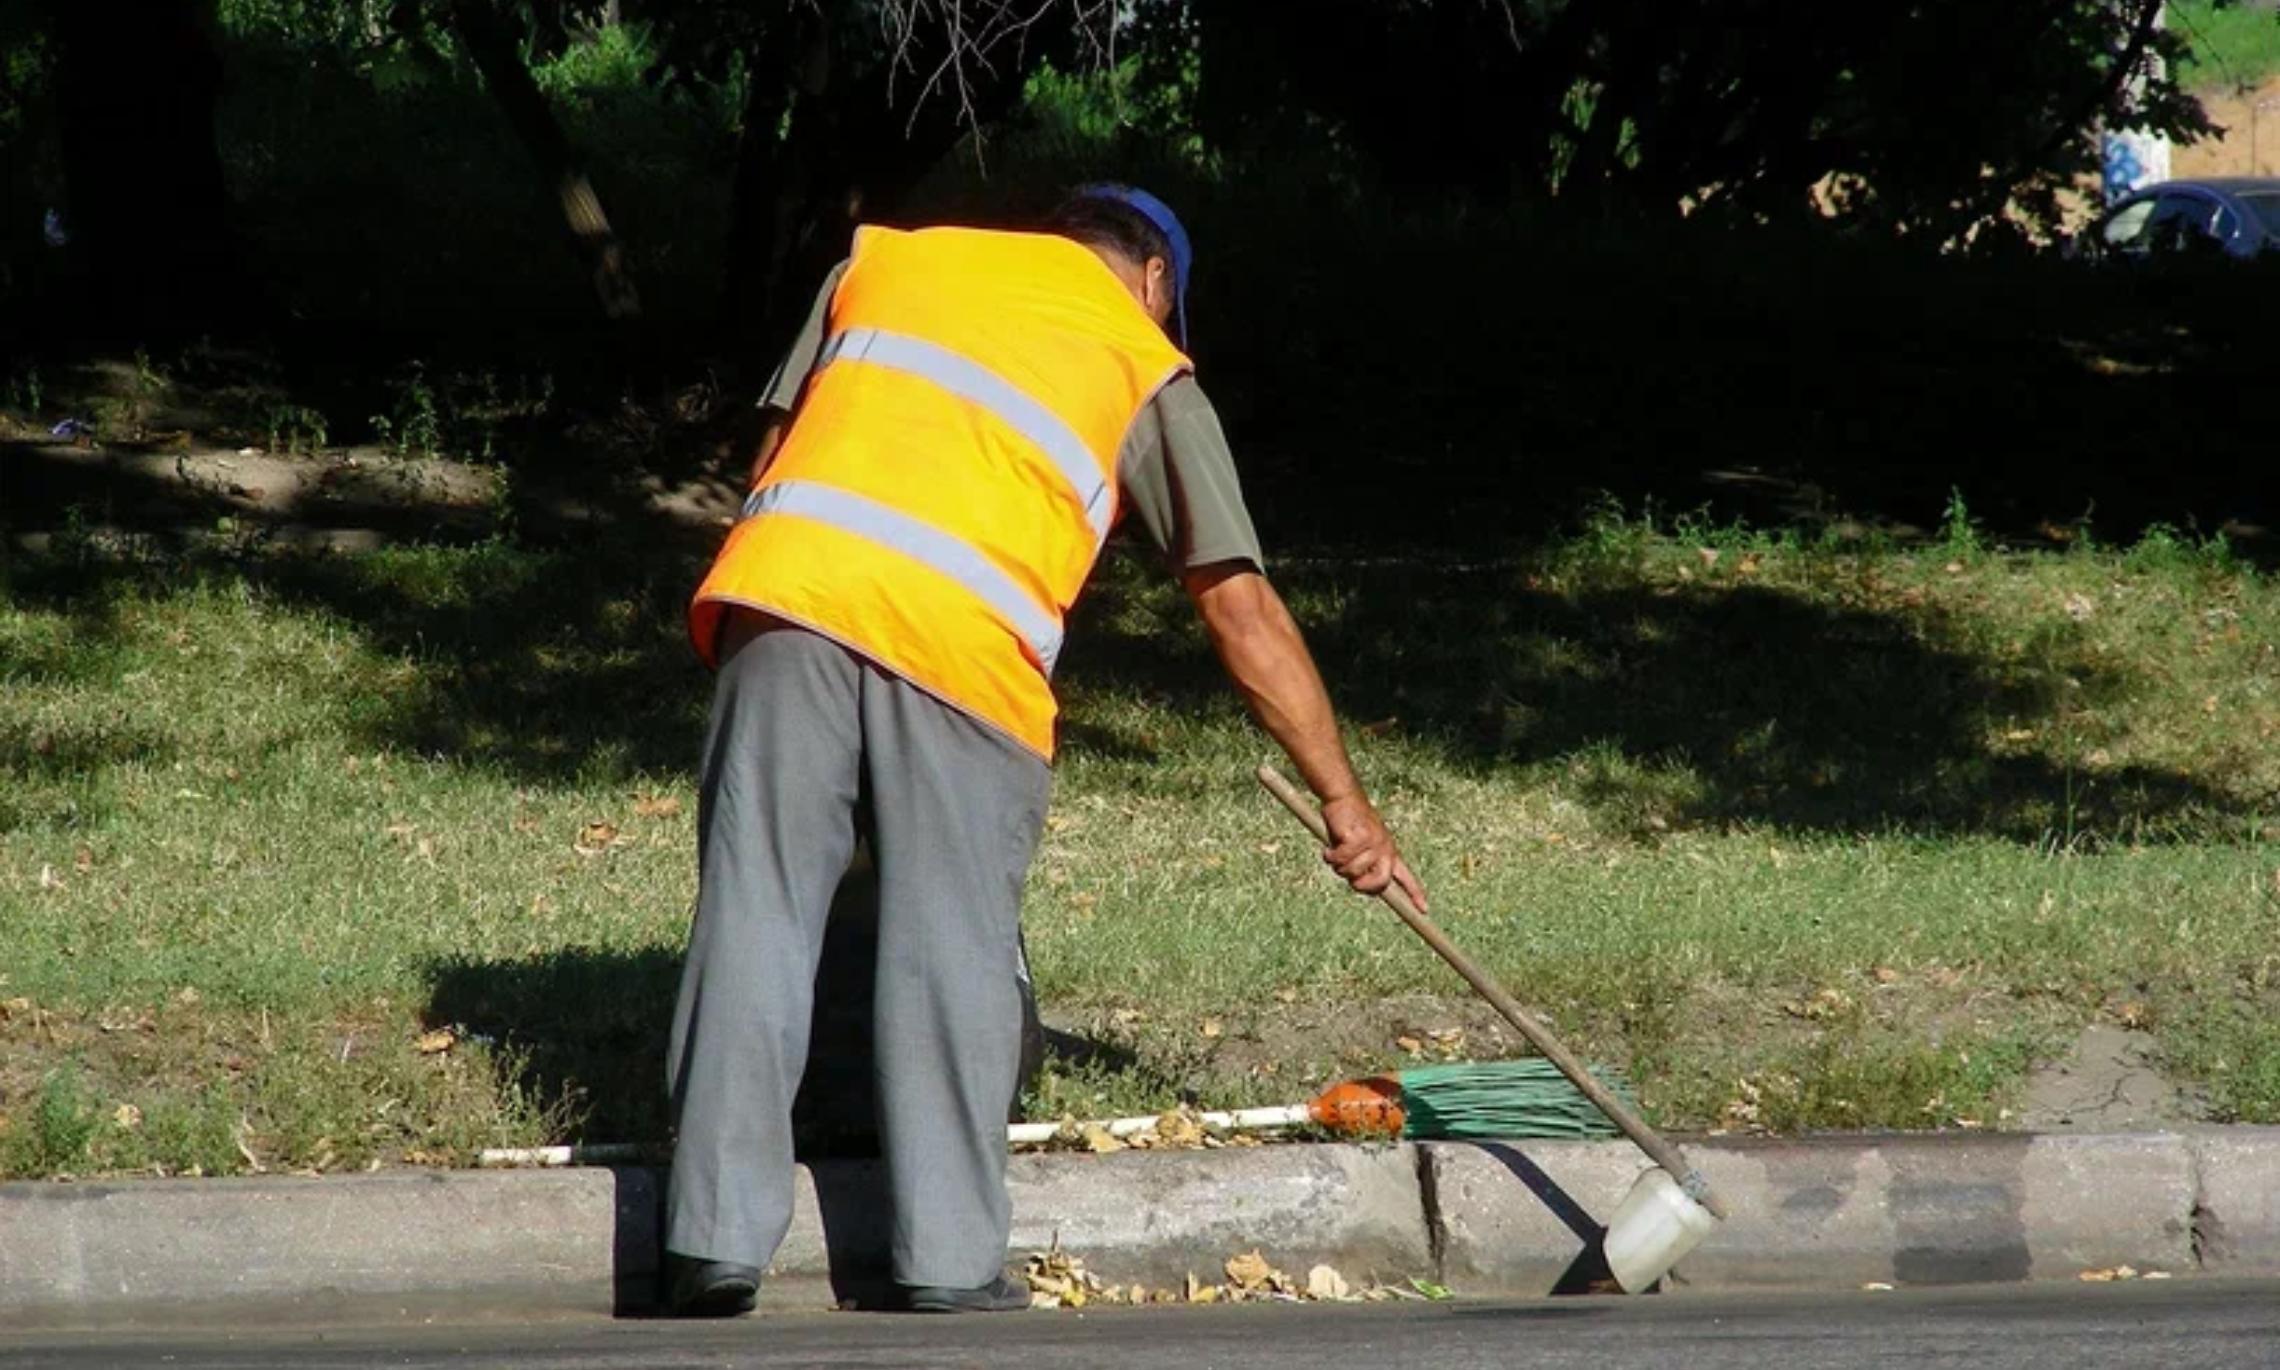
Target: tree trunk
490, 42
137, 83
764, 202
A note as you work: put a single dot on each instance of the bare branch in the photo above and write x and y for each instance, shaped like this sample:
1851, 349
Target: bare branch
973, 37
1511, 22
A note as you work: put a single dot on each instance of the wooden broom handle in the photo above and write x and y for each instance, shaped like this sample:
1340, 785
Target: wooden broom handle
1661, 1152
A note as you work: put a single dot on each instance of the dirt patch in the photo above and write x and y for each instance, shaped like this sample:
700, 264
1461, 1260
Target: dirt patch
350, 499
2249, 144
2111, 1081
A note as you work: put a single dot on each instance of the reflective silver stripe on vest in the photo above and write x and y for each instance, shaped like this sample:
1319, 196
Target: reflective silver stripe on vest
921, 542
970, 380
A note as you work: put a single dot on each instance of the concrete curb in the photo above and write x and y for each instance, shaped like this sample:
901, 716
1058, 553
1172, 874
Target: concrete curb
2236, 1211
550, 1237
1839, 1212
1518, 1218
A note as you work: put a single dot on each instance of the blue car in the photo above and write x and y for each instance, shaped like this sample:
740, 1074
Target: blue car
2238, 216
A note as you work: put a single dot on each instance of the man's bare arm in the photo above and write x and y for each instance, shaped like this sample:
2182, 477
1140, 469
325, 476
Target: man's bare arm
1265, 655
771, 438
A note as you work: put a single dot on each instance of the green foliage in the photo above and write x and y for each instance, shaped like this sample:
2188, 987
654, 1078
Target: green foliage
461, 413
1851, 1079
295, 428
2233, 1043
1096, 113
414, 426
54, 1135
448, 227
25, 393
2164, 548
26, 61
1959, 532
1741, 108
2233, 45
619, 57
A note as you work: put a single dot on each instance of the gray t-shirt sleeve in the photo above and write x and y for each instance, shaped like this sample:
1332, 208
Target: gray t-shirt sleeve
783, 391
1180, 483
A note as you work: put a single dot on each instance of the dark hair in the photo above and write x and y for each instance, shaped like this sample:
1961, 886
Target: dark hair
1110, 225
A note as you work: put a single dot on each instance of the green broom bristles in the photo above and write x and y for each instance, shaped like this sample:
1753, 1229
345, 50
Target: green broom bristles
1485, 1100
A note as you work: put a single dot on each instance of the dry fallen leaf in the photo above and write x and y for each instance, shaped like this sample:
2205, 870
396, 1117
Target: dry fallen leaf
595, 838
1098, 1141
1323, 1282
657, 806
1826, 1004
49, 880
83, 860
128, 1117
1180, 1128
440, 1040
1410, 1045
1212, 1027
1250, 1271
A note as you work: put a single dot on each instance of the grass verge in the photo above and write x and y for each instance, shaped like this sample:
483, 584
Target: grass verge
322, 863
2235, 46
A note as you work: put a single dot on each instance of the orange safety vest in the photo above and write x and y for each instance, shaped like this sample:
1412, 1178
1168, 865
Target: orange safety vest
950, 474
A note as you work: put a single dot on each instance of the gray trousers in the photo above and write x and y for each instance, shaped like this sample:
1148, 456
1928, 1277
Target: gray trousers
808, 743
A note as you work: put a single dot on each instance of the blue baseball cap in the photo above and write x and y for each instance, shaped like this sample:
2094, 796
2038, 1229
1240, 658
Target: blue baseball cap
1155, 211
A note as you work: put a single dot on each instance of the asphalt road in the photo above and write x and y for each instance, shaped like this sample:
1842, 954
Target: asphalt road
2181, 1323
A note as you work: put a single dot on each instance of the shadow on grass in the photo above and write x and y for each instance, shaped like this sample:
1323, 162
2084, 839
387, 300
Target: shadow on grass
587, 1032
52, 777
52, 770
550, 662
1666, 707
1658, 706
549, 666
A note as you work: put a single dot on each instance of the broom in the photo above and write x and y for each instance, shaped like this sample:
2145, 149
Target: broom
1468, 1101
1459, 1102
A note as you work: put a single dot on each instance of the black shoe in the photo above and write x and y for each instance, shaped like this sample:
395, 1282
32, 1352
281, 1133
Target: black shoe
1001, 1295
709, 1289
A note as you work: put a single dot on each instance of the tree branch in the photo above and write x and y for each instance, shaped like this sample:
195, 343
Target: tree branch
491, 44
